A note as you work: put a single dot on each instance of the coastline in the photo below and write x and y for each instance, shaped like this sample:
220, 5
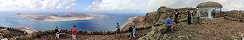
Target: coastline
27, 35
53, 17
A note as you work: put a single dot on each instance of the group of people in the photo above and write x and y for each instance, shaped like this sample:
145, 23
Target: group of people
170, 25
74, 30
132, 29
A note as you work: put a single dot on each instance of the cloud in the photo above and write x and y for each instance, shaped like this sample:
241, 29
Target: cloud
37, 4
227, 4
118, 5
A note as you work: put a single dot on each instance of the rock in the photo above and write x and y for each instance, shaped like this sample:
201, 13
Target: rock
27, 30
4, 39
137, 21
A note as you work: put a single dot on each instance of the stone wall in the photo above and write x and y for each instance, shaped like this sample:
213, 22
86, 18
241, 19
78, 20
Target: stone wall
234, 15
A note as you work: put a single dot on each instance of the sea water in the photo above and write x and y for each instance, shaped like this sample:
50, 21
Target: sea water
8, 19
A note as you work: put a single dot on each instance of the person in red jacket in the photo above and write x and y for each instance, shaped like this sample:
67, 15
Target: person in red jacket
74, 33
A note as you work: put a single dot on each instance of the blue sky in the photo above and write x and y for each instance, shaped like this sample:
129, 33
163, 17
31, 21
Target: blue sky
108, 5
83, 4
73, 5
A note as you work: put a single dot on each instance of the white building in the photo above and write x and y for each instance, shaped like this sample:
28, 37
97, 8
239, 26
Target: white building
209, 9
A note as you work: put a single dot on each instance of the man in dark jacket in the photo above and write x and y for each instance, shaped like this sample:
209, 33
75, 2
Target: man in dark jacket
190, 12
130, 31
176, 16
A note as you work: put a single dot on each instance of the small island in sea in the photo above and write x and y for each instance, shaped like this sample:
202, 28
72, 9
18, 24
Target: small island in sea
54, 17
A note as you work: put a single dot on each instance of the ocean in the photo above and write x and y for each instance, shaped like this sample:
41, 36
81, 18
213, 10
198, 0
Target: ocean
8, 19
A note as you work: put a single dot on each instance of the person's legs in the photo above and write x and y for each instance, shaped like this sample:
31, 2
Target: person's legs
134, 34
189, 20
198, 20
172, 28
131, 35
57, 36
73, 37
168, 27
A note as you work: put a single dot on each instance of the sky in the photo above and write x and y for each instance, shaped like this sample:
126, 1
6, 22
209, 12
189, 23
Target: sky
109, 5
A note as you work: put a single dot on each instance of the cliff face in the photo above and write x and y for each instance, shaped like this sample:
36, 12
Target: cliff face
137, 21
158, 17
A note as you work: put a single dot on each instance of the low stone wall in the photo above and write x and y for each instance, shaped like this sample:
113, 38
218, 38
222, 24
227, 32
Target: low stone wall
234, 19
211, 20
48, 32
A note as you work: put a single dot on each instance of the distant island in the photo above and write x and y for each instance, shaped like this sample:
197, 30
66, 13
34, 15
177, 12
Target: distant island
54, 17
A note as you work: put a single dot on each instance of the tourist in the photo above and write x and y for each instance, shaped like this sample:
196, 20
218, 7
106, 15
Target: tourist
168, 23
176, 16
74, 33
57, 33
56, 29
198, 19
130, 31
134, 31
118, 28
189, 16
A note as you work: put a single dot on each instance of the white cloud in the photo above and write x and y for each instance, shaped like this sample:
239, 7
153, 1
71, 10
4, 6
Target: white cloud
38, 4
118, 5
227, 4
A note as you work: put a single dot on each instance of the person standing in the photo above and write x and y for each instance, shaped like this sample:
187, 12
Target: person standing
130, 31
134, 32
176, 16
189, 16
118, 28
74, 33
57, 33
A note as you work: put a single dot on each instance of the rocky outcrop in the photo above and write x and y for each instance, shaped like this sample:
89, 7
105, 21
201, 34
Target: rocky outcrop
158, 17
137, 21
155, 34
26, 30
6, 32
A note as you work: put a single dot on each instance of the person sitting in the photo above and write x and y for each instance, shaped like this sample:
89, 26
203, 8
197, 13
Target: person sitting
168, 23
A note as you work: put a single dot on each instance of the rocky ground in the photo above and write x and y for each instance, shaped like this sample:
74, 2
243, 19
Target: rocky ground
120, 36
223, 30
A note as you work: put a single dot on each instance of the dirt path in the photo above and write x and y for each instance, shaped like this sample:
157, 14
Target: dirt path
226, 30
121, 36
